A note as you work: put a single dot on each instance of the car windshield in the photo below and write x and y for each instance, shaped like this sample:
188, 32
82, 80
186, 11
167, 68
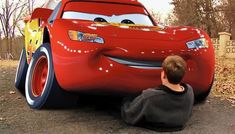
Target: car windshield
139, 19
100, 12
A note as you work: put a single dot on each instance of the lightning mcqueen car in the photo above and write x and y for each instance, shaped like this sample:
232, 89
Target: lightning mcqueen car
105, 46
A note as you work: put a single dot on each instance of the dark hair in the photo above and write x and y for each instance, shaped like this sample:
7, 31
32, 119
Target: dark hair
174, 68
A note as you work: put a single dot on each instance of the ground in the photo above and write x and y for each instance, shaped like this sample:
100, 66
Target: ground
214, 116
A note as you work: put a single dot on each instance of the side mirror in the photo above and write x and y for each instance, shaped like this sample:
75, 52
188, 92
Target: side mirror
41, 13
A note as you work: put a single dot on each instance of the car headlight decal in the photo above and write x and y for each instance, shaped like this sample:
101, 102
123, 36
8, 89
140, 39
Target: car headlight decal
197, 44
85, 37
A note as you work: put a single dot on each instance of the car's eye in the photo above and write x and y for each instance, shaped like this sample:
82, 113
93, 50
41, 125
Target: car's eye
126, 21
99, 19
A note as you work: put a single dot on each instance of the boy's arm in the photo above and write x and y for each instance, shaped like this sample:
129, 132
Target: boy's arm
133, 110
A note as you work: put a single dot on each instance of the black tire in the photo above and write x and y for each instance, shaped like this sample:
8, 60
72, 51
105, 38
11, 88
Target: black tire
21, 73
52, 96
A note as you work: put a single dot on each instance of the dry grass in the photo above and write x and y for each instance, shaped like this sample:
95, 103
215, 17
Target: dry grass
7, 63
7, 75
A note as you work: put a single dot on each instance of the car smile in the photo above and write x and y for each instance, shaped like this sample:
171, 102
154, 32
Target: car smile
140, 64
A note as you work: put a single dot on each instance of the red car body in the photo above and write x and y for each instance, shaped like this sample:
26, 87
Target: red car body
130, 58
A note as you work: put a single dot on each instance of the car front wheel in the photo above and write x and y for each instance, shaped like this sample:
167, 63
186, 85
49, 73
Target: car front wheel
41, 88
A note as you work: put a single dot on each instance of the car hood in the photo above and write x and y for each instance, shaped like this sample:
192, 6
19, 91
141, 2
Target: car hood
111, 30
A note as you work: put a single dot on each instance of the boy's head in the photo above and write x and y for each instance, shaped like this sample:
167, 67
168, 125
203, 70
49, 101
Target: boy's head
174, 68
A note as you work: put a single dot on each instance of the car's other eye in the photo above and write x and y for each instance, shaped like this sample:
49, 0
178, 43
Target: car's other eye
126, 21
99, 19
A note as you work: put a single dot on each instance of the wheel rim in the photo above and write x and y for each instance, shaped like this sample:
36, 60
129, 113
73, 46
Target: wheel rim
39, 76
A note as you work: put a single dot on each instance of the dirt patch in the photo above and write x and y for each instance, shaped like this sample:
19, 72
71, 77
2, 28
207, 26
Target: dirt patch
7, 75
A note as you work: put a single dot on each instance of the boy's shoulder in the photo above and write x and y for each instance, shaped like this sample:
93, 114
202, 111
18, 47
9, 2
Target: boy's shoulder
153, 92
163, 90
187, 87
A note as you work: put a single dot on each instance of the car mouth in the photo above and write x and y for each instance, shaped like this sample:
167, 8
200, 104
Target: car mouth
140, 64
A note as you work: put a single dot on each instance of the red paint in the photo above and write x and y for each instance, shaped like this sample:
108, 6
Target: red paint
94, 8
39, 76
81, 66
41, 13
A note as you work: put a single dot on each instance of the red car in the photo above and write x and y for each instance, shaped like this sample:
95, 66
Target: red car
105, 46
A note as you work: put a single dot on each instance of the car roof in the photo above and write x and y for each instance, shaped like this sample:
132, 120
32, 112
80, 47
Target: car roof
132, 2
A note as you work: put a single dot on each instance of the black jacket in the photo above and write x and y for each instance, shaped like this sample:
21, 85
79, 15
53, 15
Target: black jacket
160, 107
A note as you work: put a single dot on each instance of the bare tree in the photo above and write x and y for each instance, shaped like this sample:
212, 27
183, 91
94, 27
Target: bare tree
30, 6
171, 20
229, 11
28, 9
11, 13
156, 15
205, 14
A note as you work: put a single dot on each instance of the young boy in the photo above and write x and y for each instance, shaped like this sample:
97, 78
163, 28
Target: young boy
168, 106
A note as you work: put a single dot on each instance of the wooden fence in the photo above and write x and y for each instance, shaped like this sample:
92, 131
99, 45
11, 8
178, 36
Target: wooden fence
17, 46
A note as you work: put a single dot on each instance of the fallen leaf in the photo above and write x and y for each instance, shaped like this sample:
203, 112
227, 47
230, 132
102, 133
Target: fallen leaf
12, 92
233, 97
2, 119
